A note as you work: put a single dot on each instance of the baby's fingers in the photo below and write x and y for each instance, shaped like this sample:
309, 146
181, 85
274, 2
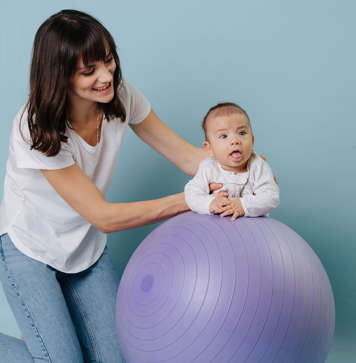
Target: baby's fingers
222, 193
223, 202
222, 208
235, 216
227, 212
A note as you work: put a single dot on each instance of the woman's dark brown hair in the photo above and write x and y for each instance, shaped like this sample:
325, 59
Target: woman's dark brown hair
58, 44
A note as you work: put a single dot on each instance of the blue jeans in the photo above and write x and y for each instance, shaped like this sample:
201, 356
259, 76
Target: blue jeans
63, 317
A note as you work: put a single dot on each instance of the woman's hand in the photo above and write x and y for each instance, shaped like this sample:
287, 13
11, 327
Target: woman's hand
216, 186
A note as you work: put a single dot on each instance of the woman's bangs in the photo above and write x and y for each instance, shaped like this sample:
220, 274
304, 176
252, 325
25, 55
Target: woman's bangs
94, 48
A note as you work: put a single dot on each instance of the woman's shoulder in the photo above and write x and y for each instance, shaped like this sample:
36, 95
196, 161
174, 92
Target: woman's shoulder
21, 113
126, 90
20, 124
136, 104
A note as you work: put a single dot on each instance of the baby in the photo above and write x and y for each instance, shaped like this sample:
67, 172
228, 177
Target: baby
248, 179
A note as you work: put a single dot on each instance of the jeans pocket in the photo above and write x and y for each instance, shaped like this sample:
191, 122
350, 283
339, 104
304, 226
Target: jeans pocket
5, 245
1, 249
9, 252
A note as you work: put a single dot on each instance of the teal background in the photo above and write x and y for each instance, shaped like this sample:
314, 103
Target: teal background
290, 64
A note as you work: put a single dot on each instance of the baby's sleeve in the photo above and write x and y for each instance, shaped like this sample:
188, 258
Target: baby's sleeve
265, 196
196, 191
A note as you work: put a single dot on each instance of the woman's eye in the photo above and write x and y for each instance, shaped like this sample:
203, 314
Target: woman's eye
88, 72
108, 60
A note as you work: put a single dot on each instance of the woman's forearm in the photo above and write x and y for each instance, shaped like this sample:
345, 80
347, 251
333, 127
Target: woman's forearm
195, 157
75, 187
120, 216
168, 143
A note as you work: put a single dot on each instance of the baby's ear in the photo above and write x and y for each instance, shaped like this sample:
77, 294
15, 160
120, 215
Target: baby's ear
207, 147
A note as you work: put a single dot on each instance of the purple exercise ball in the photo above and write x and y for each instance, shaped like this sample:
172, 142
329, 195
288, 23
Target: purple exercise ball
204, 289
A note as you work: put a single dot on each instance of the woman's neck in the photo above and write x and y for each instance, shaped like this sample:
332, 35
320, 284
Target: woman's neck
80, 115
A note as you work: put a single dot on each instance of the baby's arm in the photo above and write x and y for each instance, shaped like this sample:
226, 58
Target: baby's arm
265, 195
197, 193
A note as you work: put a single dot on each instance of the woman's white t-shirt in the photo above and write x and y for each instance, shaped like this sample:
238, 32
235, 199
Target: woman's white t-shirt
39, 222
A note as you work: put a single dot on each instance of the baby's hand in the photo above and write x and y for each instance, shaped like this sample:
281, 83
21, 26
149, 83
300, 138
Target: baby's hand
217, 204
214, 187
234, 207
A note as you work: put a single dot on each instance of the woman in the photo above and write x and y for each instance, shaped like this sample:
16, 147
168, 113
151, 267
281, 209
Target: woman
54, 265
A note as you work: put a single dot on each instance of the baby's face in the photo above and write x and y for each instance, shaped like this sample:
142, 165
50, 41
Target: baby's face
230, 141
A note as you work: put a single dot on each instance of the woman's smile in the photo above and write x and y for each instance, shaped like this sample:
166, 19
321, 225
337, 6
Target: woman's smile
104, 89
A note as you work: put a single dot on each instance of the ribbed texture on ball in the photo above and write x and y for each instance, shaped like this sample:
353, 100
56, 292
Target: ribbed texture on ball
204, 289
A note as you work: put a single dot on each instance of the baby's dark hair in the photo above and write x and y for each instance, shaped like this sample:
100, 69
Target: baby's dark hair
223, 109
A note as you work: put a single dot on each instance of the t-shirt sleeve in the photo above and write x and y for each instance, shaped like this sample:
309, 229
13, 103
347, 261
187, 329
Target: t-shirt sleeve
137, 105
25, 157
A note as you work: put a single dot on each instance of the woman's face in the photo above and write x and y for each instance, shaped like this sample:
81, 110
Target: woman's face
95, 82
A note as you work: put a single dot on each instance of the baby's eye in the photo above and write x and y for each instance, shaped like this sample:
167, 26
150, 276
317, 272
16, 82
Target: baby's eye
223, 136
242, 133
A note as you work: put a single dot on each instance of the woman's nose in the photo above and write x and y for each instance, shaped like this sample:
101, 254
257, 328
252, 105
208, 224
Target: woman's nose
104, 74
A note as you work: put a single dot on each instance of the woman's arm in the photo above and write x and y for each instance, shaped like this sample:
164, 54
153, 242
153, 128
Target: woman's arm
164, 140
77, 189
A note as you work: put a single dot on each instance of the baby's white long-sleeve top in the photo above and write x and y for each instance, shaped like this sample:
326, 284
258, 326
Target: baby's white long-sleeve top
256, 188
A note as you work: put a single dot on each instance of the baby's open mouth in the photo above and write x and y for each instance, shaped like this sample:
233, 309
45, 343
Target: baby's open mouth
235, 154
